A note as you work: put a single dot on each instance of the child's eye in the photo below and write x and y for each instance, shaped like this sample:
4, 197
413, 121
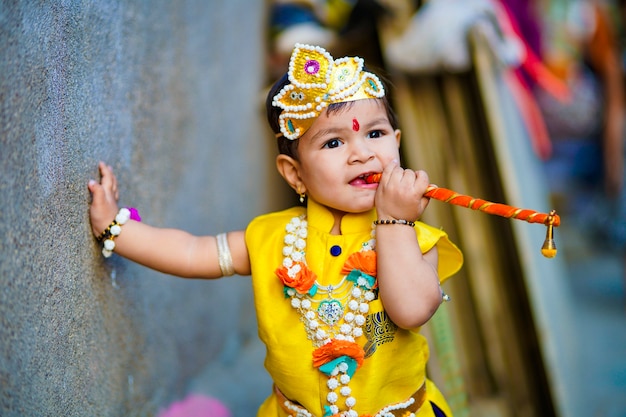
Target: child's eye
333, 143
375, 134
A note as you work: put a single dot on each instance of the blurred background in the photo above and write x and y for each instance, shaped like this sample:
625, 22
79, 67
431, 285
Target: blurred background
513, 101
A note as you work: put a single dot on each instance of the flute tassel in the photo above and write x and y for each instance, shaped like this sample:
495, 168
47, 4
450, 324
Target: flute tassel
549, 247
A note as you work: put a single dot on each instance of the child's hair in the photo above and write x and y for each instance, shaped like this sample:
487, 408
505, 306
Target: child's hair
290, 147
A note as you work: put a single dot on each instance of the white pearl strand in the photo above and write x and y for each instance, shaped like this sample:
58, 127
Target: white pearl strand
358, 299
388, 411
353, 320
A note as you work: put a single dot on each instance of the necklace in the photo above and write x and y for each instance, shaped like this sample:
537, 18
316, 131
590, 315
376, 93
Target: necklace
333, 315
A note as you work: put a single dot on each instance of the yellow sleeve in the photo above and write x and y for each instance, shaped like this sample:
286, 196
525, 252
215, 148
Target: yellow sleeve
450, 256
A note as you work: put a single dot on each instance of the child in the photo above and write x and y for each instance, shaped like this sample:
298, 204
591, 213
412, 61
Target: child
342, 285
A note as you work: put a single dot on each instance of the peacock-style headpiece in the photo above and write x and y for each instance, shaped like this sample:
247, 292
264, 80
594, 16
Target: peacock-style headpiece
317, 80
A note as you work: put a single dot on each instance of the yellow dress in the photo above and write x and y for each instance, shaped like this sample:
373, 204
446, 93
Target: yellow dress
395, 361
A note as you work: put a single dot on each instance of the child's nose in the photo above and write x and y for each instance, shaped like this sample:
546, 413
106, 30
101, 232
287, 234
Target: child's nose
361, 152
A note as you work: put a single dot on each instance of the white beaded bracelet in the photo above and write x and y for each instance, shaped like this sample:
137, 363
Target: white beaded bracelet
114, 229
224, 257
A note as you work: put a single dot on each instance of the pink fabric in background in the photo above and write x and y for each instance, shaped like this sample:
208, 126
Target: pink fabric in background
196, 405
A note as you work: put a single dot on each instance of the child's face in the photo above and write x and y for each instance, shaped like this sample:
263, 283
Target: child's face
341, 148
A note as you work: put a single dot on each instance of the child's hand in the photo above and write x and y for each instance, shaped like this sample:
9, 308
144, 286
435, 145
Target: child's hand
105, 195
400, 193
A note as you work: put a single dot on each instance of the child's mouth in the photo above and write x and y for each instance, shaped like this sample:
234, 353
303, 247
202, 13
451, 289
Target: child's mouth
366, 179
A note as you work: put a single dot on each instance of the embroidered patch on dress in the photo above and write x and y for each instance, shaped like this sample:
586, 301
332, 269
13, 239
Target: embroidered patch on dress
379, 329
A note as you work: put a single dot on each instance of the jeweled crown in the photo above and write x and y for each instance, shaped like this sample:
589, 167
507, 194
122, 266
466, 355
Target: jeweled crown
316, 80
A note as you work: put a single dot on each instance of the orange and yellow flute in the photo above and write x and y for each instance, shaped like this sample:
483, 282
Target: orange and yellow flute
551, 219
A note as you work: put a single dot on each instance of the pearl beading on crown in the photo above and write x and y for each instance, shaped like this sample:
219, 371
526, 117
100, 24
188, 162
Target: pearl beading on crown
316, 81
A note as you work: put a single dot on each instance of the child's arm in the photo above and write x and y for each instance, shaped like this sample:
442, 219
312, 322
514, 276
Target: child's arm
407, 279
170, 251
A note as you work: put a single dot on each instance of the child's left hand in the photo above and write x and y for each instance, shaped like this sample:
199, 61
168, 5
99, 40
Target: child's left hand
400, 193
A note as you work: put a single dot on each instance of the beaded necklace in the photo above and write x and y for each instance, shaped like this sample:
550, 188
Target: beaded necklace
334, 321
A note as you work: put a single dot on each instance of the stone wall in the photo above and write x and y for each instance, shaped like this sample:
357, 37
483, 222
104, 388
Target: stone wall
169, 94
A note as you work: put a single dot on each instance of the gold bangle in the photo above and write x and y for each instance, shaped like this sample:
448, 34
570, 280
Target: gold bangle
224, 257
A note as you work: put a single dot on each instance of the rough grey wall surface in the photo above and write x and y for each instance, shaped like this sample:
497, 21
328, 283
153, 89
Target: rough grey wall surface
167, 92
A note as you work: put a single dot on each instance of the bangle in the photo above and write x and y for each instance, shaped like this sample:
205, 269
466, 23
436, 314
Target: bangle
115, 228
394, 221
133, 214
224, 257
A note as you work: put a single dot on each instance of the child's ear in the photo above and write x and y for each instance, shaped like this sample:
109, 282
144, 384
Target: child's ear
289, 169
398, 133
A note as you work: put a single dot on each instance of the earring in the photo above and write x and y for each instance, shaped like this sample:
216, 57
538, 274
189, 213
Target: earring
302, 195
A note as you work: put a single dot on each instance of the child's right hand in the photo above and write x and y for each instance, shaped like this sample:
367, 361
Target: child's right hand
104, 199
400, 193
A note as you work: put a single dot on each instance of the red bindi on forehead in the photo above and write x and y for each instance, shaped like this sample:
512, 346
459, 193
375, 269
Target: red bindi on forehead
355, 125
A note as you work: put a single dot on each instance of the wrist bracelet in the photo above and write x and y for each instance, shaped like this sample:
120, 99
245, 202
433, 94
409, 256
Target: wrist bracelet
115, 228
224, 258
394, 221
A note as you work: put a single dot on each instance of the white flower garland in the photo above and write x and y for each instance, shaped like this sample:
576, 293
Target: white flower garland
324, 323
